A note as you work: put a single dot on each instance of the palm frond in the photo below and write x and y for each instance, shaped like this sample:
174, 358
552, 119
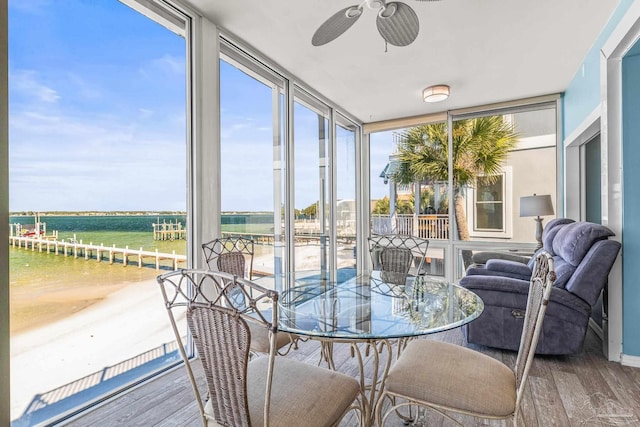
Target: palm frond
479, 147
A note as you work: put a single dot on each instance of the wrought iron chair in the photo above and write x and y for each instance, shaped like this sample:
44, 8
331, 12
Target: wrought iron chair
450, 378
398, 256
233, 255
261, 391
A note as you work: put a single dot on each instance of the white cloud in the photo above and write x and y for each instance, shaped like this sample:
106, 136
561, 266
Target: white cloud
27, 83
90, 161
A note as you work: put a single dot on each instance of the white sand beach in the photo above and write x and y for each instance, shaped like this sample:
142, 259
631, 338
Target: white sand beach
127, 323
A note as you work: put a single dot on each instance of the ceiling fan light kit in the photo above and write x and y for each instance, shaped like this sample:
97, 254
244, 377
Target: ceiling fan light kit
397, 22
436, 93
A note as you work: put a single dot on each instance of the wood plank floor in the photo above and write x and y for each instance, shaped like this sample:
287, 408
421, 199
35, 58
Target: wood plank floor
580, 390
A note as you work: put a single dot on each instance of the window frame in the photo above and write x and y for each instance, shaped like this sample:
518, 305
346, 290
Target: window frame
506, 232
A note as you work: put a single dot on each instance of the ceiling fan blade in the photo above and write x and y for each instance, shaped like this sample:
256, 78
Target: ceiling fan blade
398, 24
336, 25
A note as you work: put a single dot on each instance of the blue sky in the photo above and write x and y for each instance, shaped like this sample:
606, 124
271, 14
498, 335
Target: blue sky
96, 108
97, 117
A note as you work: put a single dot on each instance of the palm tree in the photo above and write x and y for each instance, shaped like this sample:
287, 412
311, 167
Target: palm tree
480, 146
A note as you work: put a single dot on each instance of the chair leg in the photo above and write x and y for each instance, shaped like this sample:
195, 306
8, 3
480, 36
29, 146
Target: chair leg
379, 418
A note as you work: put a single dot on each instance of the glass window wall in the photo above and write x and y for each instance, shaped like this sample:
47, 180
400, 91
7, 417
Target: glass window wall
288, 162
481, 170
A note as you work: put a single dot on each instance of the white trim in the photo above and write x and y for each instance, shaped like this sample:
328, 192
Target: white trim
621, 40
450, 258
331, 174
623, 37
633, 361
507, 210
363, 211
405, 122
158, 13
204, 198
589, 128
496, 108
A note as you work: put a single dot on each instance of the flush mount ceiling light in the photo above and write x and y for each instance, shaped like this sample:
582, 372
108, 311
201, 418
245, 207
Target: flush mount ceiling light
397, 22
435, 93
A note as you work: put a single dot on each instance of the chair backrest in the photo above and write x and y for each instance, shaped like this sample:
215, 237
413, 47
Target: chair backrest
539, 293
395, 264
417, 246
223, 342
230, 255
220, 330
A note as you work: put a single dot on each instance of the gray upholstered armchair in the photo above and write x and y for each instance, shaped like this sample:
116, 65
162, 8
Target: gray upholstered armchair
583, 256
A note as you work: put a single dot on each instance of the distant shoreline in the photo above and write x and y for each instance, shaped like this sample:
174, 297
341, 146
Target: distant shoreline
96, 213
123, 213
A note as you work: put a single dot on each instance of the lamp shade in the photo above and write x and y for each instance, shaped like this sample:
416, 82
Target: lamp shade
536, 205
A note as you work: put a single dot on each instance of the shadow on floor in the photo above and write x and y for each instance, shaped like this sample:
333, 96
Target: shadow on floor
55, 403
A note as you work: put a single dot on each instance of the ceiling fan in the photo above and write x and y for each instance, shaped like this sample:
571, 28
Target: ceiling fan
397, 22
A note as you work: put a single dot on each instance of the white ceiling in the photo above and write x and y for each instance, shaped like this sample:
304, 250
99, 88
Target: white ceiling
486, 50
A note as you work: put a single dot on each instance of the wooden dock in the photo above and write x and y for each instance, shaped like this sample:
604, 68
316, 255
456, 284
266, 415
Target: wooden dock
169, 231
98, 252
259, 239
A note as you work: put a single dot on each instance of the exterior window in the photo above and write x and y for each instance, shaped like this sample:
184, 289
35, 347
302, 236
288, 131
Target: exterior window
69, 348
489, 203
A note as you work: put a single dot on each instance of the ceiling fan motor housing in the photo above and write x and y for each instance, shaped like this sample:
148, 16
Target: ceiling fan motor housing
376, 4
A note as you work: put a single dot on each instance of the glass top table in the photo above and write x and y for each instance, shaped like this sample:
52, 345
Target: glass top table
365, 307
370, 315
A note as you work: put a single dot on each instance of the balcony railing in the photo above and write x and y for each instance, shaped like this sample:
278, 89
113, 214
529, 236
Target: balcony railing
431, 226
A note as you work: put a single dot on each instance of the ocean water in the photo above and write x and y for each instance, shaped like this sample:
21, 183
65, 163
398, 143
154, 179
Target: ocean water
34, 269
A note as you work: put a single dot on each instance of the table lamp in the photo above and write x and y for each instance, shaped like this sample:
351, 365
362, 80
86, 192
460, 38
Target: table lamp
536, 206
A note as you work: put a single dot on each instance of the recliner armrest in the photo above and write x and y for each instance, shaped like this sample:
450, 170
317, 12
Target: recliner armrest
483, 271
495, 283
483, 257
514, 269
508, 292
